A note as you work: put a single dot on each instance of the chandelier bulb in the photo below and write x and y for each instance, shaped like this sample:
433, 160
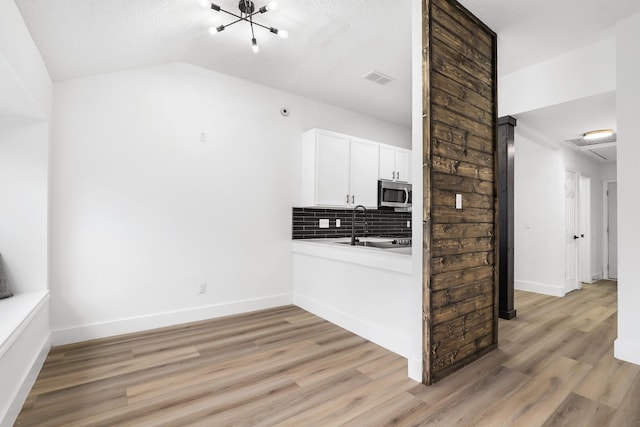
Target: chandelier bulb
284, 34
215, 30
254, 45
272, 5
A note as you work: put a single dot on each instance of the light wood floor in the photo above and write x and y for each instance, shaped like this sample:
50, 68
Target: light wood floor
554, 367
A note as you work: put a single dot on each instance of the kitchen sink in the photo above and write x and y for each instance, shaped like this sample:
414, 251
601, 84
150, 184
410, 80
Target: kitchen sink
379, 245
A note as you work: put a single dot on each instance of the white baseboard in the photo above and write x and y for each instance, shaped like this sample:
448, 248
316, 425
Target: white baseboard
539, 288
414, 368
21, 396
627, 350
159, 320
384, 338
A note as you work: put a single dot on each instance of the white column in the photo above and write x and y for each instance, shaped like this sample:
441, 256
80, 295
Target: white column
627, 346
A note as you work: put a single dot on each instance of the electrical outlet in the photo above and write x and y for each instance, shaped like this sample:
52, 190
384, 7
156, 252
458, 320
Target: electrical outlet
203, 288
408, 224
458, 201
203, 137
337, 223
323, 223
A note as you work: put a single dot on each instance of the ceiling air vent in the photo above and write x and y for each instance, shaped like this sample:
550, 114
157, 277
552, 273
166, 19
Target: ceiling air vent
378, 77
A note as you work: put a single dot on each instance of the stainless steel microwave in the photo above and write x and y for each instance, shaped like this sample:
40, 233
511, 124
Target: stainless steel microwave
394, 194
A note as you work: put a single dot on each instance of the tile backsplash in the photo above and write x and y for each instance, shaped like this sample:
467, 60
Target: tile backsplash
306, 223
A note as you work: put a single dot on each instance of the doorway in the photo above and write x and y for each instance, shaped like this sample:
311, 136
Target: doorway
584, 228
611, 230
571, 231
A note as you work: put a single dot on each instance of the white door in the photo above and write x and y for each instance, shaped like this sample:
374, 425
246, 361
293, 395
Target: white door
612, 219
584, 229
332, 169
571, 232
403, 165
364, 173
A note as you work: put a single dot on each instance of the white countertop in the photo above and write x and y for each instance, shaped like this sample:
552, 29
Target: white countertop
398, 260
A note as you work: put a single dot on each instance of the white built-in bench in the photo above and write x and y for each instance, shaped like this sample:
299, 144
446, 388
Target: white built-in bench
16, 313
24, 344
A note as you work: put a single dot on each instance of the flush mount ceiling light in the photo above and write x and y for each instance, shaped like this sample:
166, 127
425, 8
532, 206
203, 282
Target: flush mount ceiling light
597, 134
247, 11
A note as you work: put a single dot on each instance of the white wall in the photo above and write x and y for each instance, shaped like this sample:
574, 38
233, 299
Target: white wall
371, 302
627, 346
23, 202
538, 217
22, 67
539, 213
561, 79
25, 105
609, 171
415, 357
143, 211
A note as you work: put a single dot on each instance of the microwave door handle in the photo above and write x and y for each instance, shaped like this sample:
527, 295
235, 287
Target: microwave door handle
406, 196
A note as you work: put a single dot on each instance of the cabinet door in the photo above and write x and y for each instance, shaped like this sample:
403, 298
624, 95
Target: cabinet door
364, 173
403, 165
387, 162
332, 169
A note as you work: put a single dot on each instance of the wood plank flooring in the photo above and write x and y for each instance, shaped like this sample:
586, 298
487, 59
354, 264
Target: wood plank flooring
286, 367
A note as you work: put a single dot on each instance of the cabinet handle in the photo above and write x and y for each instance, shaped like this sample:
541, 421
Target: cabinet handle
353, 199
398, 175
393, 174
347, 201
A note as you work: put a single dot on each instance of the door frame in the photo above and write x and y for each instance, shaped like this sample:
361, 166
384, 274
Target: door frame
605, 228
584, 230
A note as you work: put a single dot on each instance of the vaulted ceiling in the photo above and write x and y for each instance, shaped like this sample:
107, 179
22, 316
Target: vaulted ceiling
332, 43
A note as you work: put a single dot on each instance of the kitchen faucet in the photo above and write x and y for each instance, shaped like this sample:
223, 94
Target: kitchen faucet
353, 223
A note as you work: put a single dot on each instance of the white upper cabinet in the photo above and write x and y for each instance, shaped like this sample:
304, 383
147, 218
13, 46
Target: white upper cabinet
387, 162
395, 163
364, 172
332, 169
338, 170
403, 165
342, 171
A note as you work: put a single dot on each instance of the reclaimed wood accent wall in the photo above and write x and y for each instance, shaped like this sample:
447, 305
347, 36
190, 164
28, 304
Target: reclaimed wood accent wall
460, 132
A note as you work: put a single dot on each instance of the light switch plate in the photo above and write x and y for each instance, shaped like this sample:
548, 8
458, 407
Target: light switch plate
458, 201
324, 223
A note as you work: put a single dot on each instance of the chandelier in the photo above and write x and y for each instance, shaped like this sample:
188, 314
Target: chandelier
247, 12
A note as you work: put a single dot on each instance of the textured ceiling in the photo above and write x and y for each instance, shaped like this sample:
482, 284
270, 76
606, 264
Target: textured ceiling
332, 43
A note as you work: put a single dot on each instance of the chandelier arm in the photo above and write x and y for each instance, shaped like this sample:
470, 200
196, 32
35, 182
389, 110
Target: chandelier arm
256, 12
262, 26
251, 23
233, 14
231, 23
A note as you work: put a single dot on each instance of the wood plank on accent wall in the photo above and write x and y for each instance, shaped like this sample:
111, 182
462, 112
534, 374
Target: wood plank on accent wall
460, 288
464, 154
451, 279
461, 138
